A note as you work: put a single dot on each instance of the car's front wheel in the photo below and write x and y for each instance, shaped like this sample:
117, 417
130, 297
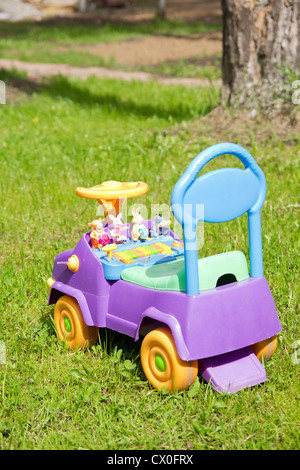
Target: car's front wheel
161, 363
70, 324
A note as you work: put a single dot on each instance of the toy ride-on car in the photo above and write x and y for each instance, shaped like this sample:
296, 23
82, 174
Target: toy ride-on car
209, 316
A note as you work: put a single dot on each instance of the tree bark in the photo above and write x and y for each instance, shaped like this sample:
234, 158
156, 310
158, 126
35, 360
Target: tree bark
82, 6
261, 48
161, 9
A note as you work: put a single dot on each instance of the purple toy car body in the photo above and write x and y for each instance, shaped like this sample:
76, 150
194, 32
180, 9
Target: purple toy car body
208, 316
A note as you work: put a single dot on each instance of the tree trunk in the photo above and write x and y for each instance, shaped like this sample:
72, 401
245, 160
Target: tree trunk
82, 6
261, 49
161, 9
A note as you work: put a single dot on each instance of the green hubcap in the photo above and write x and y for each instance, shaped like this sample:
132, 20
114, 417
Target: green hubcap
68, 325
160, 363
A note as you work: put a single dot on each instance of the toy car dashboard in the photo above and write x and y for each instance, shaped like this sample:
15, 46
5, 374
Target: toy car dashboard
140, 253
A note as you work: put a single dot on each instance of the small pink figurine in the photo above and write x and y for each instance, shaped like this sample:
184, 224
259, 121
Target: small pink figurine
98, 237
115, 233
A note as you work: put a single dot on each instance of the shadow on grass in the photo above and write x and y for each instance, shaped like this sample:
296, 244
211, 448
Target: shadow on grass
17, 80
95, 27
124, 98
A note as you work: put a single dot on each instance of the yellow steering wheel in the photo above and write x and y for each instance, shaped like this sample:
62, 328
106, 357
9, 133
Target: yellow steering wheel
111, 194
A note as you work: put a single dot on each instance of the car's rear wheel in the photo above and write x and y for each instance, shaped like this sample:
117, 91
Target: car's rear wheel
161, 363
70, 324
265, 349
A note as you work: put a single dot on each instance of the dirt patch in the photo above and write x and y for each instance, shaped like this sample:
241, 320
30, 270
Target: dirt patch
151, 50
156, 49
209, 11
36, 71
225, 125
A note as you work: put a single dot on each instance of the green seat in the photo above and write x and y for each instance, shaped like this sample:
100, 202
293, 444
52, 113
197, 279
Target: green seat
171, 275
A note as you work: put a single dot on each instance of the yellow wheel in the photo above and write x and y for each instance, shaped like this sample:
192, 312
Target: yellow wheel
265, 348
161, 363
70, 324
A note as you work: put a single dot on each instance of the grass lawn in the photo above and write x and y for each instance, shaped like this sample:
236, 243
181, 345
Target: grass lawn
71, 133
29, 33
52, 43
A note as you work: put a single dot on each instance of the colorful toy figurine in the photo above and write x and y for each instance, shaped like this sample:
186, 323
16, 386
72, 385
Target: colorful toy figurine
211, 316
138, 231
160, 226
116, 232
98, 237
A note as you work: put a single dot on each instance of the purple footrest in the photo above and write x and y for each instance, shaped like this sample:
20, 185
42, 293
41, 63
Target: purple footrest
233, 371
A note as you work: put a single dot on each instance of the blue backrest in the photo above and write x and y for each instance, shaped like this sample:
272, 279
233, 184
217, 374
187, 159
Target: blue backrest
219, 196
